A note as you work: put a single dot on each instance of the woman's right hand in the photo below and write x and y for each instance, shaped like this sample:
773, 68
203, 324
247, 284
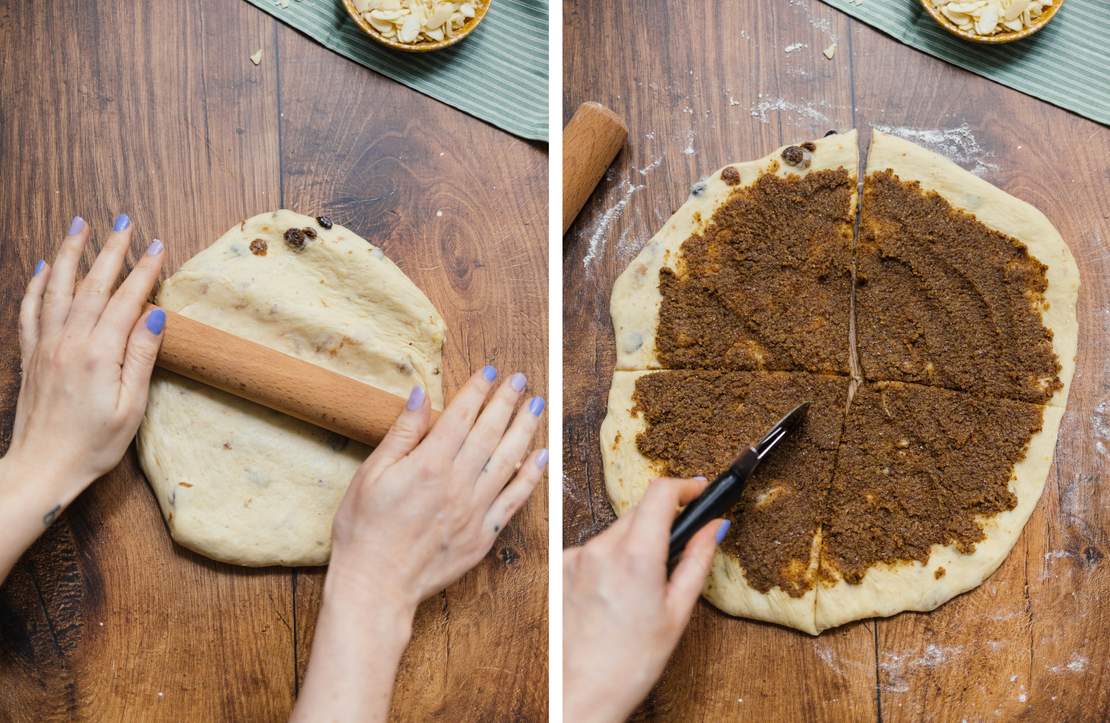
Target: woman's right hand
622, 617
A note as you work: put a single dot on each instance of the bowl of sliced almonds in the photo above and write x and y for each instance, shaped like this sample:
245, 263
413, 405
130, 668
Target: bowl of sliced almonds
992, 21
417, 26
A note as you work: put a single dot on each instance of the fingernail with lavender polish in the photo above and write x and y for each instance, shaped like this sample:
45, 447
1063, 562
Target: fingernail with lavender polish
536, 406
155, 248
122, 222
699, 478
541, 459
416, 398
39, 267
723, 530
75, 226
489, 372
517, 382
156, 322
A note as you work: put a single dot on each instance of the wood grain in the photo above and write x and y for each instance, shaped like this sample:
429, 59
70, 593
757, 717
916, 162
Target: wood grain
156, 110
701, 84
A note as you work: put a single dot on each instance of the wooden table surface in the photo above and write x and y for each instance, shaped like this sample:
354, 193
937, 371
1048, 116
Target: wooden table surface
155, 109
702, 84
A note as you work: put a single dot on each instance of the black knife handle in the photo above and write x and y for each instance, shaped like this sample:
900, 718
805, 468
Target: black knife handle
717, 499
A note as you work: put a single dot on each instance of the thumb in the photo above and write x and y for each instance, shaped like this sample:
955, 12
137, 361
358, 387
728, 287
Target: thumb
688, 578
138, 359
407, 431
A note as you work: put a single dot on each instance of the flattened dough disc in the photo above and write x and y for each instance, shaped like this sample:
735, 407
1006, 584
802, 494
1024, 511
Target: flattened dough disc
241, 483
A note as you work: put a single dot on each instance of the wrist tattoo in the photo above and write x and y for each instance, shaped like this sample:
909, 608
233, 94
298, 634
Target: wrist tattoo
49, 518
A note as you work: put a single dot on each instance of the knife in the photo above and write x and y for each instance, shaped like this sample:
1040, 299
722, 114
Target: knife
724, 492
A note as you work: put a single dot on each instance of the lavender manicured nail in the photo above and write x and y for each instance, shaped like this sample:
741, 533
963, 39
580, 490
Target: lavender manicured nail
517, 382
541, 459
416, 398
155, 248
122, 222
156, 322
723, 530
75, 226
536, 406
699, 478
39, 267
489, 372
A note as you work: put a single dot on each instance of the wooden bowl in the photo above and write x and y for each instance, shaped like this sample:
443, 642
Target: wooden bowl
998, 38
480, 8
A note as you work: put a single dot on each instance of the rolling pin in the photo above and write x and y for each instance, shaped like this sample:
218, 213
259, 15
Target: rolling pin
281, 382
591, 141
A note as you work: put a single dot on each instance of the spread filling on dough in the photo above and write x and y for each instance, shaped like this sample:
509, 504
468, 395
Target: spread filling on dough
917, 467
945, 301
933, 423
699, 421
765, 283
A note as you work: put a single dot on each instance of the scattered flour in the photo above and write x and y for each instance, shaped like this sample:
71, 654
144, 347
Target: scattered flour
794, 47
807, 111
1101, 422
597, 233
958, 144
1057, 554
1076, 664
823, 25
689, 149
895, 665
651, 166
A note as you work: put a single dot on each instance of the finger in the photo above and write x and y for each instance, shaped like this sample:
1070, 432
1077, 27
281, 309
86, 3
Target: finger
513, 497
59, 288
403, 437
486, 435
29, 310
652, 523
126, 305
138, 363
505, 460
454, 424
688, 578
94, 290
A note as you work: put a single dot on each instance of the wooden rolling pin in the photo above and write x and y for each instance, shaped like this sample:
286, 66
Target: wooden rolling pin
591, 141
286, 384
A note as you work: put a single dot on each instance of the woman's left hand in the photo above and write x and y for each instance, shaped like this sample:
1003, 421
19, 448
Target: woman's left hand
87, 357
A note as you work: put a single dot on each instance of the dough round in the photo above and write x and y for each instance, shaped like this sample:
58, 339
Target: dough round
243, 484
937, 573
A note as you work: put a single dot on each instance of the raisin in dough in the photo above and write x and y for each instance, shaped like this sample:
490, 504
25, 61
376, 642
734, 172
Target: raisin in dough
241, 483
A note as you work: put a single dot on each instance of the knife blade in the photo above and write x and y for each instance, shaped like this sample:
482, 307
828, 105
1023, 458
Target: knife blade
724, 491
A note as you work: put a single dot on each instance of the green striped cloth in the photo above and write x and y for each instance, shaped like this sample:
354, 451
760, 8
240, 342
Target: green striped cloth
498, 73
1066, 63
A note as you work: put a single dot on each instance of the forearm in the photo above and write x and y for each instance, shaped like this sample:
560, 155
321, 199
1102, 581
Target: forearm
361, 633
31, 499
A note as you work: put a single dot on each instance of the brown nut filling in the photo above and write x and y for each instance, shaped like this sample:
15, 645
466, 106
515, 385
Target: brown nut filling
765, 285
945, 301
699, 421
917, 467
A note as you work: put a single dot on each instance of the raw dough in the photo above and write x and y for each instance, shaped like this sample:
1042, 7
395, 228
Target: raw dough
238, 482
885, 589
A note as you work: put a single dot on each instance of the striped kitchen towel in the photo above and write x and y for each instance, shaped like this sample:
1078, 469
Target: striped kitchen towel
498, 73
1067, 63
